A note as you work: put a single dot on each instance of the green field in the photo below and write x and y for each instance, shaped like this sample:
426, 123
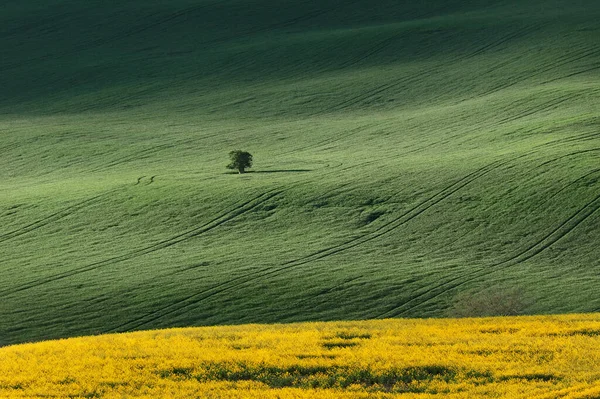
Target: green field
405, 153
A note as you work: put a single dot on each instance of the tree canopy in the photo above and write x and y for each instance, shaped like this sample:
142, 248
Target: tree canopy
240, 160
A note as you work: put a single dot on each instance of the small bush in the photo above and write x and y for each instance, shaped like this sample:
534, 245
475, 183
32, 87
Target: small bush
495, 301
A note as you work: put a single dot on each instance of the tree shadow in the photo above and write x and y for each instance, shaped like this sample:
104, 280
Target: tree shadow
271, 171
281, 171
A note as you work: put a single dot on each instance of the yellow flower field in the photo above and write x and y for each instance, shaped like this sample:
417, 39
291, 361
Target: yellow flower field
524, 357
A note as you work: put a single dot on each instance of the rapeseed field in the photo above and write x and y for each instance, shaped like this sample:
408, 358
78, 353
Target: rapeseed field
510, 357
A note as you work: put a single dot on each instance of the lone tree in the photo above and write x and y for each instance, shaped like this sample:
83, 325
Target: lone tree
240, 160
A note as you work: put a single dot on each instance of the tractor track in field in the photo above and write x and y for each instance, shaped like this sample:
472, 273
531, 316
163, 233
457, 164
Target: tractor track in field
141, 154
116, 98
574, 182
150, 181
582, 137
568, 59
346, 283
494, 44
534, 249
570, 75
500, 65
556, 193
373, 92
373, 50
331, 139
293, 73
63, 213
9, 147
383, 44
369, 94
198, 297
519, 33
547, 106
238, 209
22, 144
456, 239
570, 155
365, 96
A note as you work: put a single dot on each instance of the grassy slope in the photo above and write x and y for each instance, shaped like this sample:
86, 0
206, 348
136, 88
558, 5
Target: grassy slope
406, 153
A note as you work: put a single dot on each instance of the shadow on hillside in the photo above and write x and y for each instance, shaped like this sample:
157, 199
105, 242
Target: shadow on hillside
271, 171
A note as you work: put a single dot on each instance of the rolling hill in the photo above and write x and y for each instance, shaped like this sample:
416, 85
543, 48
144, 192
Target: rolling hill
405, 154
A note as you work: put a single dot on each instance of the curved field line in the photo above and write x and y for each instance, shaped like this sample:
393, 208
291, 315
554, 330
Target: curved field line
567, 186
569, 155
196, 298
215, 222
339, 286
498, 66
373, 50
581, 137
556, 234
596, 67
518, 33
141, 154
414, 78
402, 219
10, 147
331, 139
549, 105
505, 39
325, 51
113, 98
561, 62
23, 143
52, 218
373, 92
